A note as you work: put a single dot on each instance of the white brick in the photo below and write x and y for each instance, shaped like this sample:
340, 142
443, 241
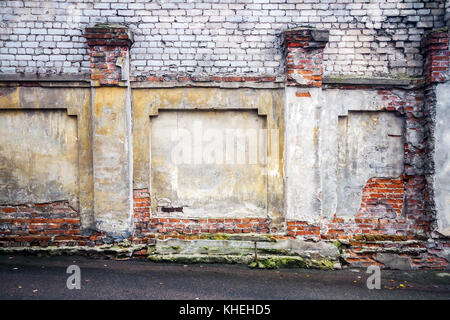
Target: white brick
234, 36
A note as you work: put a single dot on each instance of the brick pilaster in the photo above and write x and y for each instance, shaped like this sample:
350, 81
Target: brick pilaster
109, 48
111, 129
435, 47
303, 50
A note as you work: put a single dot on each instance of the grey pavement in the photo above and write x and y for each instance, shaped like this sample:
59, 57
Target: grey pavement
33, 277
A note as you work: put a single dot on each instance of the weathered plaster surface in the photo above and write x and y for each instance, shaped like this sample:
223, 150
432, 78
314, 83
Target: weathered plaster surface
267, 103
377, 153
323, 179
38, 157
442, 158
34, 116
319, 170
370, 145
111, 161
302, 180
197, 167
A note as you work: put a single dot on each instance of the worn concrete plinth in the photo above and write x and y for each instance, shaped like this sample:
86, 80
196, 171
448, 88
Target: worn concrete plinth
442, 158
261, 254
111, 144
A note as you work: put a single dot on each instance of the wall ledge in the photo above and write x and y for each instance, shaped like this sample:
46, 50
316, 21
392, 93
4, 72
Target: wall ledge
45, 80
209, 84
83, 80
372, 81
30, 77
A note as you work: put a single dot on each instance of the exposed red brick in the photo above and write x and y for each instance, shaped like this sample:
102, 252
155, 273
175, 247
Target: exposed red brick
304, 58
435, 47
106, 46
304, 94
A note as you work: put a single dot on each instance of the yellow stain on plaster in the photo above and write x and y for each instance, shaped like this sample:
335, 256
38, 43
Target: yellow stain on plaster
108, 101
10, 100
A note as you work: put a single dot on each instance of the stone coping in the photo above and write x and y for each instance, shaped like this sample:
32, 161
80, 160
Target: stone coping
83, 80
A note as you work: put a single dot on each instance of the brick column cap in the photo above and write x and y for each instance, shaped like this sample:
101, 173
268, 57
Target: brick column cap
303, 52
436, 52
109, 46
303, 37
436, 39
109, 35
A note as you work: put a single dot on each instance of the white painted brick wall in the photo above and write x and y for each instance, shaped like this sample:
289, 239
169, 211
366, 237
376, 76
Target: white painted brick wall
447, 13
219, 37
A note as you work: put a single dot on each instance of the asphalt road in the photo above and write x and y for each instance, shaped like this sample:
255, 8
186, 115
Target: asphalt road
32, 277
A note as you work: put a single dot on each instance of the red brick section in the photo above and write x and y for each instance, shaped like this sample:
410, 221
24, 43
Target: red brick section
381, 213
303, 229
181, 226
392, 210
44, 225
107, 44
39, 224
303, 50
391, 218
381, 223
435, 47
167, 227
385, 192
303, 94
384, 211
141, 203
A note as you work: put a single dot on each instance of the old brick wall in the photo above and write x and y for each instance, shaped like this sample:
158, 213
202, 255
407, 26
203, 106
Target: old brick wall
211, 37
239, 44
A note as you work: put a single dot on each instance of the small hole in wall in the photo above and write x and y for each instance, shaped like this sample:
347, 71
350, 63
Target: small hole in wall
172, 209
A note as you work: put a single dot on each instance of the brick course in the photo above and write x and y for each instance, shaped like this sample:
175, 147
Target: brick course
146, 226
38, 224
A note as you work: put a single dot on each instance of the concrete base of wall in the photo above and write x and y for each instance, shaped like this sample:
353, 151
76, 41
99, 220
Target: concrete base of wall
270, 253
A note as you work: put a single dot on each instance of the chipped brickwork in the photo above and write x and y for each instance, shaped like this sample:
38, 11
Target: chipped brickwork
395, 215
145, 226
388, 207
365, 251
437, 56
109, 47
190, 226
382, 197
39, 224
303, 229
141, 210
303, 53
